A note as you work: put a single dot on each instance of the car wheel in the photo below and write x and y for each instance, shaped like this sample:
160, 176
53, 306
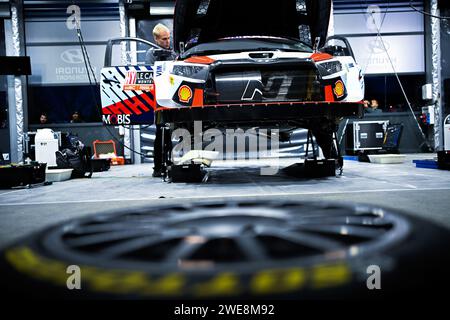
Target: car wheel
261, 249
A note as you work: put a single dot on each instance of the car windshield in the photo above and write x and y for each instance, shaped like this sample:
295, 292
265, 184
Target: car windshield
241, 44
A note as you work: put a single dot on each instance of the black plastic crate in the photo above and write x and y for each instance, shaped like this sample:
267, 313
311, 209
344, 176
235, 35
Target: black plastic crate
444, 160
186, 173
320, 168
22, 175
99, 165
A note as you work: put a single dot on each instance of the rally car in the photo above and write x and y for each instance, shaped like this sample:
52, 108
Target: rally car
242, 64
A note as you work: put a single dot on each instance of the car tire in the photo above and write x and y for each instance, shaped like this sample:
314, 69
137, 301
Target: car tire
330, 257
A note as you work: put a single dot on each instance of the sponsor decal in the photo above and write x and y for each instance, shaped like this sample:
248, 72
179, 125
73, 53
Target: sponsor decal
378, 46
72, 56
139, 80
116, 119
184, 93
71, 66
159, 70
339, 89
253, 90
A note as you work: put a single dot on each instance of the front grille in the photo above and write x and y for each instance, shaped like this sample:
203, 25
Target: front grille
266, 85
291, 85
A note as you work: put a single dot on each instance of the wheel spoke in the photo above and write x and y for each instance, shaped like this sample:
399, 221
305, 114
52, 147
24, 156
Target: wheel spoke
129, 246
115, 226
183, 251
309, 240
343, 220
318, 213
251, 248
344, 230
105, 237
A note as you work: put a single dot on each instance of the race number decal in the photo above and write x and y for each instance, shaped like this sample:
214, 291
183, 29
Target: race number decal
139, 80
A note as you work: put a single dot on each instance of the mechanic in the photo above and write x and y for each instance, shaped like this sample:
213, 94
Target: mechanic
373, 108
161, 34
43, 119
76, 117
366, 105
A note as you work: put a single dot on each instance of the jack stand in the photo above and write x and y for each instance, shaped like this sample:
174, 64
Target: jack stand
178, 173
340, 158
166, 154
191, 167
315, 168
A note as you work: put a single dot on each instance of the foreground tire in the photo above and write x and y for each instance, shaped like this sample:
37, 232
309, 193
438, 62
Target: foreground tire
237, 249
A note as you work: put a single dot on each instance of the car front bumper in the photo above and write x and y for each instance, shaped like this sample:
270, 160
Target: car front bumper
260, 113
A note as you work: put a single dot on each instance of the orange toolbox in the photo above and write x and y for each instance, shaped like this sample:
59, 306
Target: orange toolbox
107, 150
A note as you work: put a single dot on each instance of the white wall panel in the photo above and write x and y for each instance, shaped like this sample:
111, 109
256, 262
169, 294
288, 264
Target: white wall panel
362, 23
57, 31
406, 52
63, 64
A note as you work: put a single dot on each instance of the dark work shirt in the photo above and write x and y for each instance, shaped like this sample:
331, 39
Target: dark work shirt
153, 55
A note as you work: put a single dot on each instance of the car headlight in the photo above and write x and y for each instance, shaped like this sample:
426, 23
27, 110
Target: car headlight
195, 72
329, 68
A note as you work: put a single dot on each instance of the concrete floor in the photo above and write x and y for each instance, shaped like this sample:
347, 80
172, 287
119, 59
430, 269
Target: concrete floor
419, 192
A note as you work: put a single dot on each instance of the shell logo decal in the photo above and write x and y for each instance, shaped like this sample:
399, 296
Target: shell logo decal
339, 89
184, 93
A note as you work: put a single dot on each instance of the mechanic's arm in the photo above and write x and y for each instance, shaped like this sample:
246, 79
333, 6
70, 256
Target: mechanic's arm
150, 57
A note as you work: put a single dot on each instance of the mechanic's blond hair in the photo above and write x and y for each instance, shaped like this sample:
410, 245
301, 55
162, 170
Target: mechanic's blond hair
158, 29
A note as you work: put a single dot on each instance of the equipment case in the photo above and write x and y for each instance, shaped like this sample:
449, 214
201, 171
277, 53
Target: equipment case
365, 135
22, 175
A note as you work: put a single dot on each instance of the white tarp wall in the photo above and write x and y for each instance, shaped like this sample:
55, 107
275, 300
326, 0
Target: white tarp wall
402, 31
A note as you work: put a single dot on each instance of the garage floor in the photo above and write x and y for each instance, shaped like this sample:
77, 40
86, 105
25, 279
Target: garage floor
419, 192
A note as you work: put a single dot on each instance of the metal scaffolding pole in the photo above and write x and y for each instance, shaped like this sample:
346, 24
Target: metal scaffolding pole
15, 46
124, 32
436, 75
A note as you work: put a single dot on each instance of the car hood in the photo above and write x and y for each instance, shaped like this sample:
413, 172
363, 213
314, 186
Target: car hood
199, 21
